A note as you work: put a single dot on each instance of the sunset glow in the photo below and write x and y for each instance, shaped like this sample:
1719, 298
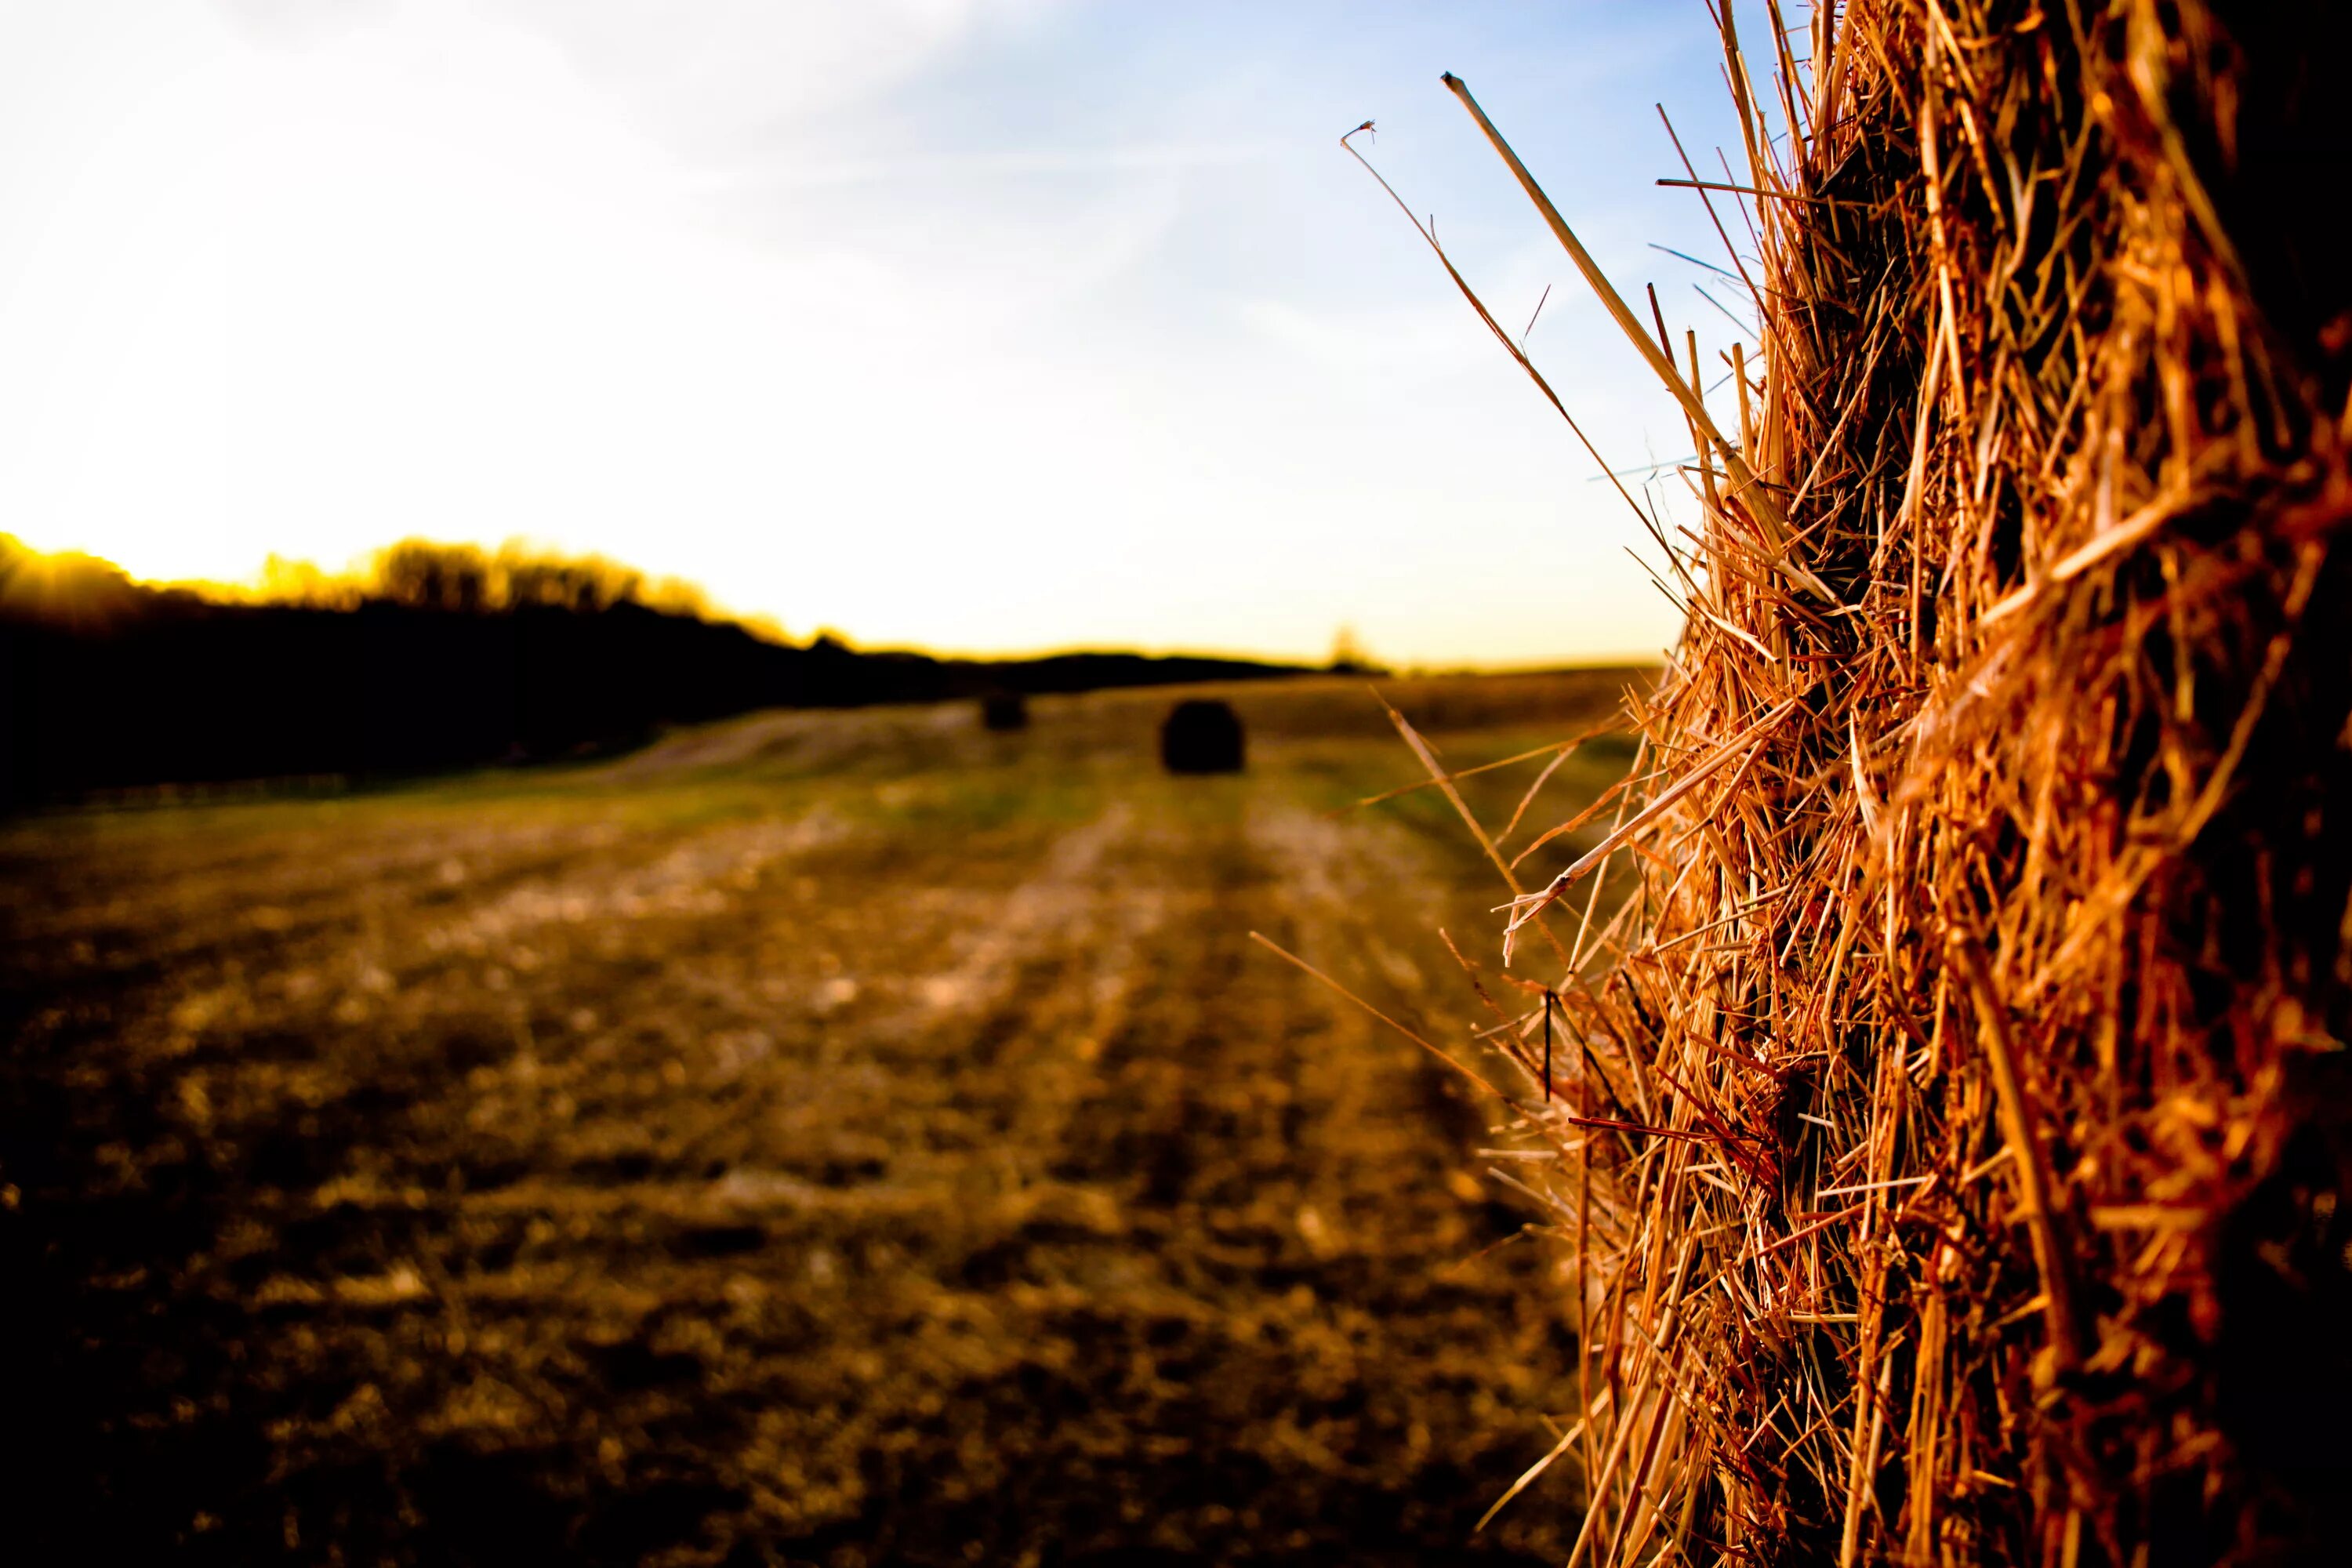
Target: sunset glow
979, 326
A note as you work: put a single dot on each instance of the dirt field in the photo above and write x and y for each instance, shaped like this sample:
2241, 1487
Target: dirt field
822, 1138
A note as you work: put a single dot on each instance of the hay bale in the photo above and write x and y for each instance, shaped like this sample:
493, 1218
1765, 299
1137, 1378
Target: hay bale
1004, 712
1955, 1140
1201, 735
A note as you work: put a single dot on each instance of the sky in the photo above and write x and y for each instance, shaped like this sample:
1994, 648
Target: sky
988, 326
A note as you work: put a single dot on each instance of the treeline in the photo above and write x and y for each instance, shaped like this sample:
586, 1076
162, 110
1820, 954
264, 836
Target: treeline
424, 575
437, 656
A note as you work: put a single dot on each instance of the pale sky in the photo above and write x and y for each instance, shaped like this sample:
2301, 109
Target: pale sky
983, 325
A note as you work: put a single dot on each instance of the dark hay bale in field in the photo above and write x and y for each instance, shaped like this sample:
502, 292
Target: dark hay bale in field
1004, 710
1201, 736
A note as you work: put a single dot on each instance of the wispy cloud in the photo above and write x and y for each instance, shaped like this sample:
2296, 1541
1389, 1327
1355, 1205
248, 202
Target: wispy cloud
1142, 158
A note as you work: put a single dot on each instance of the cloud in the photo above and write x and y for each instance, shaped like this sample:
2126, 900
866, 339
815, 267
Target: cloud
712, 80
766, 121
291, 24
712, 77
1166, 157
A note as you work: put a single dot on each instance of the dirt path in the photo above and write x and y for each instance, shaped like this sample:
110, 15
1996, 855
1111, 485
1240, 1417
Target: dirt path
889, 1167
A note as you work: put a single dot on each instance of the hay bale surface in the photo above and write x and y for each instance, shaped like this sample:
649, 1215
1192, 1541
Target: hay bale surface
1953, 1143
1201, 735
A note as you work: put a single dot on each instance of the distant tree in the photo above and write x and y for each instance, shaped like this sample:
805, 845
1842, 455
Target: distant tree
676, 597
284, 582
1348, 657
577, 583
63, 588
423, 576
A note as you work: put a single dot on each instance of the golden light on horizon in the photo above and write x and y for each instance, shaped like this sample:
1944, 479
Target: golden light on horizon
739, 299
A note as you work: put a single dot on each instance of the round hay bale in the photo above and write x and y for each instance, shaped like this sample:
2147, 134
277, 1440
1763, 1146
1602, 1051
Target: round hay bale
1975, 1192
1201, 736
1004, 710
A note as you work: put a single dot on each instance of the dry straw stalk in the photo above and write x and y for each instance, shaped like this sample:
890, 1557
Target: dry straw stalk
1952, 1142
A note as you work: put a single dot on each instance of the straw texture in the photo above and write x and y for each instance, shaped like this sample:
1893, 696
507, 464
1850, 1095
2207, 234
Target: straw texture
1952, 1123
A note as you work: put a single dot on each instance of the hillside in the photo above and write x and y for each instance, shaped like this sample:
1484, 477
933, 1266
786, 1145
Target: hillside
106, 683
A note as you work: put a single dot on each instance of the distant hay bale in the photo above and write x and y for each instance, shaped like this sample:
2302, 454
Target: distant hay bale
1201, 736
1954, 1133
1004, 710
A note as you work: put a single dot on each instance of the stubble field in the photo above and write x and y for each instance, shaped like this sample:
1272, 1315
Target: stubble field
847, 1138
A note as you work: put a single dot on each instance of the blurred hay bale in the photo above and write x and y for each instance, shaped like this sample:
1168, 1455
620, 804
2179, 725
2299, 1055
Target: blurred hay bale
1956, 1135
1004, 712
1201, 735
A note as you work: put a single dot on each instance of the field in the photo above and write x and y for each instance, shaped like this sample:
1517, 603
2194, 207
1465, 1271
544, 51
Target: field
842, 1138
